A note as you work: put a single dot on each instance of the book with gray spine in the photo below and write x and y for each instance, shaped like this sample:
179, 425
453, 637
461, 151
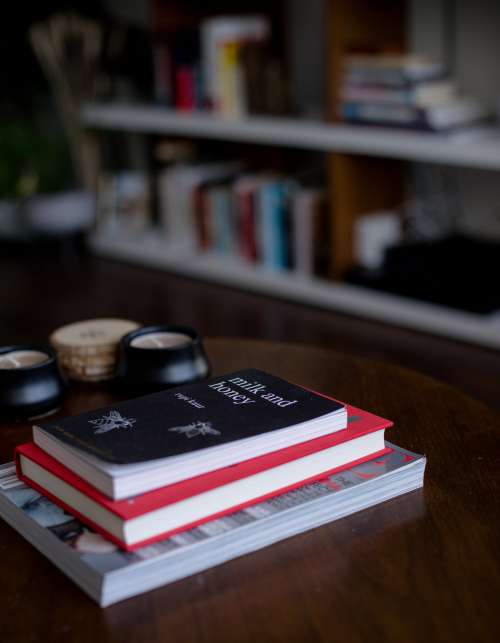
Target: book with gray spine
108, 574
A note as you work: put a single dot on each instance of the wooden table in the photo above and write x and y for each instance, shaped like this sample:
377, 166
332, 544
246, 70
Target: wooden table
423, 567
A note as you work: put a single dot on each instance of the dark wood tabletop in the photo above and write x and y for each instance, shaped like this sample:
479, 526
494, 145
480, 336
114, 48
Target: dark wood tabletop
422, 567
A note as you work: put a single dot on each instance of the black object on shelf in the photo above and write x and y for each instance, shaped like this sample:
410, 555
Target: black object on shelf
458, 272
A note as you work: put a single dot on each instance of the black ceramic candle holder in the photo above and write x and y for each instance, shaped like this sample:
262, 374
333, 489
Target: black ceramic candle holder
31, 383
158, 357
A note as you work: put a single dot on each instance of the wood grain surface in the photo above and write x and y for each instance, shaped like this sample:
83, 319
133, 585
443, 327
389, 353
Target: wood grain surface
44, 288
423, 567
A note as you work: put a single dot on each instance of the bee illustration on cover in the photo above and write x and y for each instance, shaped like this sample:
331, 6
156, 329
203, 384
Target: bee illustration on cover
193, 429
114, 420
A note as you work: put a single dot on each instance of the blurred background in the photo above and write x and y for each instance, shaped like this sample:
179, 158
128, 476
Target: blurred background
337, 159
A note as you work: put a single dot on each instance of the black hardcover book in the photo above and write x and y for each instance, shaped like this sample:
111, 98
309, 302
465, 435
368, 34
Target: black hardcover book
237, 406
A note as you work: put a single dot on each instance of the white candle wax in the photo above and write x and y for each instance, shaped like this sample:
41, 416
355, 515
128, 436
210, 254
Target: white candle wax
160, 340
22, 359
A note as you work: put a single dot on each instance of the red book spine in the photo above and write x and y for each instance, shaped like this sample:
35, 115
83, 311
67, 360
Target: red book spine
185, 94
247, 219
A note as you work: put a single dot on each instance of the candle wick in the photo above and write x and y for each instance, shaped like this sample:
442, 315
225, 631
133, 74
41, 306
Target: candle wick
15, 362
157, 342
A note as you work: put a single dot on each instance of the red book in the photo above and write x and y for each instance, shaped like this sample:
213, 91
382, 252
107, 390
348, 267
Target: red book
185, 89
244, 192
143, 519
248, 240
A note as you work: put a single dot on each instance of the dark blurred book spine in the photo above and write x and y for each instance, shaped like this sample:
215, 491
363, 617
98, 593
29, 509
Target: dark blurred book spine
163, 90
203, 216
310, 246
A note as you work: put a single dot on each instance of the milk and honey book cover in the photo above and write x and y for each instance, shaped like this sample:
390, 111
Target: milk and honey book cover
224, 409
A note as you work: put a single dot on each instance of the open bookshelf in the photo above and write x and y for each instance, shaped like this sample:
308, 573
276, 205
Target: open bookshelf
365, 170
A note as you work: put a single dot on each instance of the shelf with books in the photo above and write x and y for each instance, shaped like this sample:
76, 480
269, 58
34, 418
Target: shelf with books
475, 148
364, 167
151, 249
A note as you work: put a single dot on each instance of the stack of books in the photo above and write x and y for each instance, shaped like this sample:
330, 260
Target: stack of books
128, 498
262, 218
408, 91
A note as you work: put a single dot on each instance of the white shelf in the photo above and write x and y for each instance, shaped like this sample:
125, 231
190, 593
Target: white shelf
152, 250
481, 151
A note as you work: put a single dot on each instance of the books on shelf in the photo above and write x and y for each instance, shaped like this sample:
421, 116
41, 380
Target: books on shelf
223, 39
405, 91
438, 117
190, 464
109, 575
177, 74
265, 218
177, 186
224, 65
392, 70
421, 94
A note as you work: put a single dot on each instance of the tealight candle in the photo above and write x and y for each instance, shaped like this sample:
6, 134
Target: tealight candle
156, 357
31, 383
22, 358
160, 340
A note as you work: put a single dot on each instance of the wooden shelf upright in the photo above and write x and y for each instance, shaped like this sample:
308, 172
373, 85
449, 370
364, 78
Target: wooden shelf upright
359, 184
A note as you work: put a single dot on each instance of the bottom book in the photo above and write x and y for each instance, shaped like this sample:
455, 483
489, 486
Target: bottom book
108, 574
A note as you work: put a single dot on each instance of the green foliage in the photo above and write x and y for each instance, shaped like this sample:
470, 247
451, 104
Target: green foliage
31, 162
